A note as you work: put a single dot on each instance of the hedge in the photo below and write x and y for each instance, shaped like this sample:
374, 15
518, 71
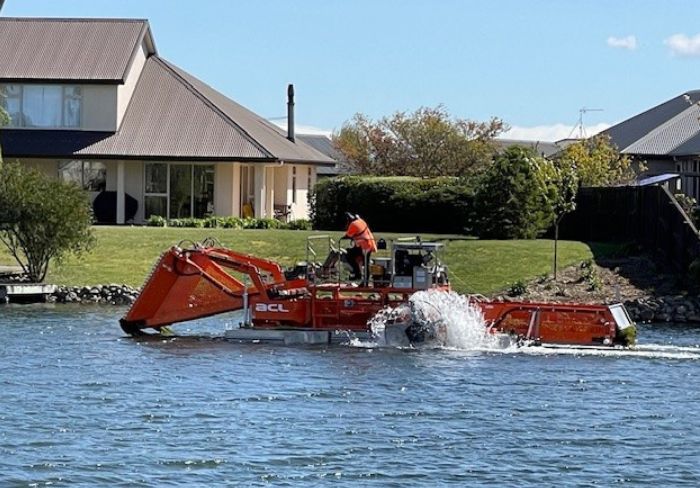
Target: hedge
229, 223
395, 204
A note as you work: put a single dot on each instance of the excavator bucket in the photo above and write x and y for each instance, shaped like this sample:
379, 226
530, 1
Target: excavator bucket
184, 285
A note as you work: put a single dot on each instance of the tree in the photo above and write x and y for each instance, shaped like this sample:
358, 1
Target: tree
565, 178
427, 142
41, 218
516, 196
598, 162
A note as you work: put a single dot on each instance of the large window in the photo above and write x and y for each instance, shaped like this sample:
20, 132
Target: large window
42, 105
178, 191
89, 175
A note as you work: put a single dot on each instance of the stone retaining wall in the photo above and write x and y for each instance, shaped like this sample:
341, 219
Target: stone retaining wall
676, 308
105, 294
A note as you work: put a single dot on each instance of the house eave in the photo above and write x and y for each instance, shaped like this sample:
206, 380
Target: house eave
65, 81
142, 157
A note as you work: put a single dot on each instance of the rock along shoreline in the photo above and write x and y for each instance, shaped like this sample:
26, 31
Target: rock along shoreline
100, 294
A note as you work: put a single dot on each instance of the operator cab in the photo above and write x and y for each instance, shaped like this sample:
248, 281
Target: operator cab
409, 263
413, 264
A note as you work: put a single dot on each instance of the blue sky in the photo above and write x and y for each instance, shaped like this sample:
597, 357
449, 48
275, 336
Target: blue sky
532, 63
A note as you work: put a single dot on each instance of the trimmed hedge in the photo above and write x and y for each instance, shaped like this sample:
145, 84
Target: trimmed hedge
395, 204
229, 223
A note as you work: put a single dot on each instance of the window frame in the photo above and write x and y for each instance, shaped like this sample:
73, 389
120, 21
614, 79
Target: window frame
83, 163
167, 193
65, 88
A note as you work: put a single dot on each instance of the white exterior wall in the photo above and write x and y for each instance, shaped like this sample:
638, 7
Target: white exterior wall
133, 184
281, 177
300, 209
227, 189
125, 91
99, 110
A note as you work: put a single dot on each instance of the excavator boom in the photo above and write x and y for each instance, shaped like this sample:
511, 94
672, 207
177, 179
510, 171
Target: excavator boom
187, 284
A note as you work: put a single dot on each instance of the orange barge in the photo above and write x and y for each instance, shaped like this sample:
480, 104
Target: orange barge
312, 304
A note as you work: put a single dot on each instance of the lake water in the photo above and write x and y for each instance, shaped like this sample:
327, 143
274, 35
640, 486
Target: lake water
81, 405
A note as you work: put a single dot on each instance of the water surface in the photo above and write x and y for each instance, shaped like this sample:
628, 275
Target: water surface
82, 405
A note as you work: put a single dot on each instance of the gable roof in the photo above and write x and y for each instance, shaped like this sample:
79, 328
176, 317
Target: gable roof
87, 50
271, 139
669, 129
172, 115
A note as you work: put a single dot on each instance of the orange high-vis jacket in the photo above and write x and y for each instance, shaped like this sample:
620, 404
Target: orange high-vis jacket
359, 232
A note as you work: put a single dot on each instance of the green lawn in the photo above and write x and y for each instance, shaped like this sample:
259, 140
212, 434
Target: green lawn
126, 255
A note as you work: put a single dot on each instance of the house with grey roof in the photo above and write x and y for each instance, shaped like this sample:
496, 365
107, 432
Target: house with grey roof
666, 138
324, 144
92, 102
542, 148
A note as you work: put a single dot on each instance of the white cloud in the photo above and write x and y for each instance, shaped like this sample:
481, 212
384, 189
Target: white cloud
551, 133
628, 42
682, 45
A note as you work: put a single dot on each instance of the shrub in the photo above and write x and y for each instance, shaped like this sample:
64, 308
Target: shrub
187, 222
589, 274
156, 221
399, 204
41, 218
299, 224
228, 223
515, 198
517, 289
253, 223
232, 223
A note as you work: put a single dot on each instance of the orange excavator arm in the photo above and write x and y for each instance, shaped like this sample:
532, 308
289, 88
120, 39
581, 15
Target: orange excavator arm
188, 284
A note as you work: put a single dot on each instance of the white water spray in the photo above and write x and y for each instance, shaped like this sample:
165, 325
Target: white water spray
459, 323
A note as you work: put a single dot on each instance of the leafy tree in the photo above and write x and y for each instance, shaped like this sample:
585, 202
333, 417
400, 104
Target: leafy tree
41, 218
598, 162
517, 195
565, 179
425, 143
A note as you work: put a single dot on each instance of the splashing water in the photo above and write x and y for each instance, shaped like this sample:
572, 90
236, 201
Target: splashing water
459, 324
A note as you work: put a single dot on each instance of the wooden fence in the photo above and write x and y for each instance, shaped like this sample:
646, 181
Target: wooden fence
646, 215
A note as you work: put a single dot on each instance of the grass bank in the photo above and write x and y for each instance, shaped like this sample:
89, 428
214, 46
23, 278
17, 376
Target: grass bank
126, 254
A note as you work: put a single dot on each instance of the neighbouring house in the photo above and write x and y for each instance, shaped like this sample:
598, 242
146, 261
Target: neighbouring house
667, 139
324, 144
542, 148
91, 101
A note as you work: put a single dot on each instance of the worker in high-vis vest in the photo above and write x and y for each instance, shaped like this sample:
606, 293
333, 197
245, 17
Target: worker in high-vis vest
363, 245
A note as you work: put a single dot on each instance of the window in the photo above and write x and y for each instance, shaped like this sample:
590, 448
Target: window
294, 184
89, 175
178, 191
42, 105
308, 178
155, 195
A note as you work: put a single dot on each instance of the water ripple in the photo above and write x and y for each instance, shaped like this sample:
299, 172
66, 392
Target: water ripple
80, 405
